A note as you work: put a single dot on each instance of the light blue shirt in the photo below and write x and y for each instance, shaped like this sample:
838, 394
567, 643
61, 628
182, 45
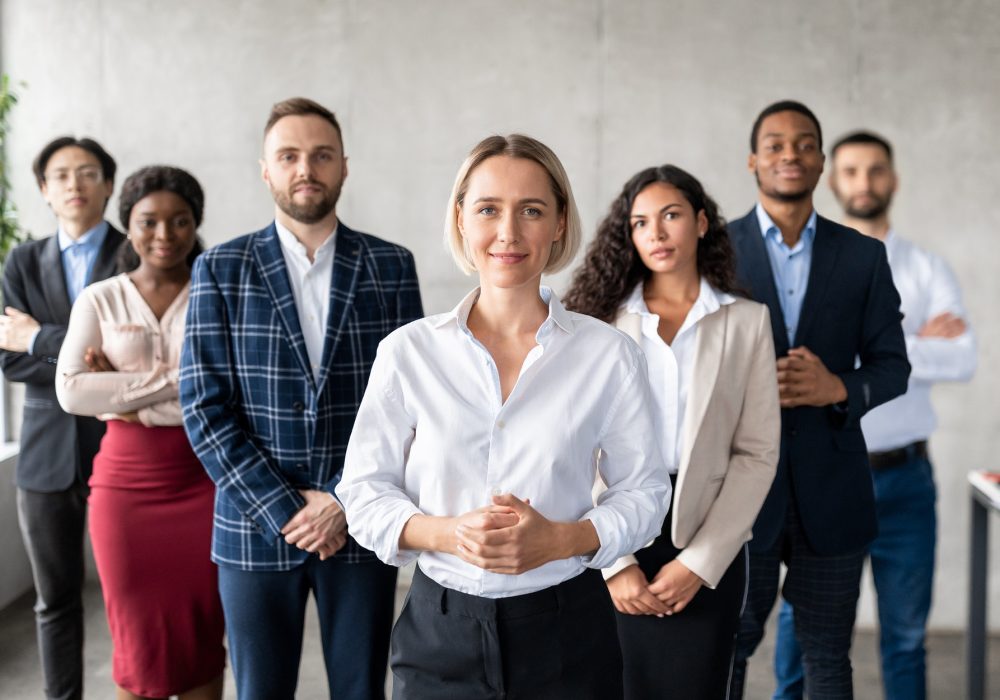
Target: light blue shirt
790, 267
78, 257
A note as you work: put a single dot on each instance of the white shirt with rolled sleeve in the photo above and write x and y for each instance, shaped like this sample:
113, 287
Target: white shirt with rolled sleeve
927, 288
432, 436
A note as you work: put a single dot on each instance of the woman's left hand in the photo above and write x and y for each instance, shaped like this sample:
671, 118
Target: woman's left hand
97, 361
534, 540
675, 585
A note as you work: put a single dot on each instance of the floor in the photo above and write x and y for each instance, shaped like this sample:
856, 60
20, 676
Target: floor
20, 679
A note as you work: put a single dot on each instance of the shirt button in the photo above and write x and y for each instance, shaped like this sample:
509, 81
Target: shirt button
791, 291
301, 466
299, 406
495, 490
501, 424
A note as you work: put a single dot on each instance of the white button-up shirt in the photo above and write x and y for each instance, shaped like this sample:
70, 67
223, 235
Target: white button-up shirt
432, 436
310, 281
672, 366
927, 288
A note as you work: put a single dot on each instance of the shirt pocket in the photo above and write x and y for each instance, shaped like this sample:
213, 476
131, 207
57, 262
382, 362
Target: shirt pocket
128, 346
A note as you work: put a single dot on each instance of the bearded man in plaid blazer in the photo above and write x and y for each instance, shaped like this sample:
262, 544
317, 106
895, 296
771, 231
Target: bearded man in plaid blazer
282, 330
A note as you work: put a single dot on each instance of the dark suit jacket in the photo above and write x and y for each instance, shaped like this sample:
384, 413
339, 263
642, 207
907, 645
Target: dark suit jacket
56, 448
850, 312
261, 424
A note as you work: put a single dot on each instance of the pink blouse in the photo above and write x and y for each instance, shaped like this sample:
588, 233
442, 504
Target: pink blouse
113, 316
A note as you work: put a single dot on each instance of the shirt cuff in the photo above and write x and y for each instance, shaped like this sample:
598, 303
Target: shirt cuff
31, 342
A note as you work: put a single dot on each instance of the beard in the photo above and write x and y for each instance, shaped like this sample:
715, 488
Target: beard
877, 207
309, 212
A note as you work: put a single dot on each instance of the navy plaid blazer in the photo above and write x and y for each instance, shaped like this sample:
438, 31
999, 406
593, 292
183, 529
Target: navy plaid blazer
257, 419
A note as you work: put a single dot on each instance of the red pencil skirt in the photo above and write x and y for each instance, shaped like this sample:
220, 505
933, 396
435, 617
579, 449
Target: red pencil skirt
151, 527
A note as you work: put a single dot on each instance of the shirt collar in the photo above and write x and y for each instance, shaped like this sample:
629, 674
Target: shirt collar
708, 302
90, 240
557, 312
770, 229
291, 243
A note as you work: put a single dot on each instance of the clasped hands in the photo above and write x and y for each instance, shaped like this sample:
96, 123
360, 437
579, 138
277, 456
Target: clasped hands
510, 537
669, 592
319, 526
803, 380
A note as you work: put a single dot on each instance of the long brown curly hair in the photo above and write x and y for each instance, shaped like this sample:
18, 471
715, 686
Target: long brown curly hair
612, 267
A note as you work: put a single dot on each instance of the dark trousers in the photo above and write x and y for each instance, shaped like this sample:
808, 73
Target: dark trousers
690, 654
824, 592
52, 526
556, 644
265, 616
902, 562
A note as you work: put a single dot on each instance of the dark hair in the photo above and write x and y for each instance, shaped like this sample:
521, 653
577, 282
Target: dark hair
784, 106
301, 106
146, 181
612, 267
862, 137
108, 166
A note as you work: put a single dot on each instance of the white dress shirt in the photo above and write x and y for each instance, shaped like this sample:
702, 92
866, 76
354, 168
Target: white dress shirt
310, 281
672, 366
927, 288
432, 436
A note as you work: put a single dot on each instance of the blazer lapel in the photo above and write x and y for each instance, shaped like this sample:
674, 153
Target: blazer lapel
343, 285
107, 257
707, 360
271, 263
758, 269
824, 258
54, 279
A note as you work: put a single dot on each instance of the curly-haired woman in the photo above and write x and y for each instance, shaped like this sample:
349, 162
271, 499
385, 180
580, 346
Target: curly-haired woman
150, 500
662, 270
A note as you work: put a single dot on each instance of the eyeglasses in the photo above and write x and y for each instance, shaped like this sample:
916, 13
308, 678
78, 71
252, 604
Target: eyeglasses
89, 174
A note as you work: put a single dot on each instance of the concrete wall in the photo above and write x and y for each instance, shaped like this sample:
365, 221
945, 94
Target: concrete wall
611, 86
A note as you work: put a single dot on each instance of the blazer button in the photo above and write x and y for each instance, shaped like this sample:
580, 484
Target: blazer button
299, 406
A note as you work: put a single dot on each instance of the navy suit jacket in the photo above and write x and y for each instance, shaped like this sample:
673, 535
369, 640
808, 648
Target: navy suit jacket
261, 424
57, 448
851, 320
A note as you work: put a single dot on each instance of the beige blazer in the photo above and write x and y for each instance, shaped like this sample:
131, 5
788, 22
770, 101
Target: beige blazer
731, 437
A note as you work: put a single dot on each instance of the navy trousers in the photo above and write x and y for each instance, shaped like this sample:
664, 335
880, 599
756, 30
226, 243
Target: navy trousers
824, 592
265, 616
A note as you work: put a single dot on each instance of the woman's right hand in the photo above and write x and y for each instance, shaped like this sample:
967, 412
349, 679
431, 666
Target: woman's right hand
97, 361
630, 593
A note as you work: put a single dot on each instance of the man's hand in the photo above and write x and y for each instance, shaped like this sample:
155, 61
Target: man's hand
942, 326
675, 585
16, 329
803, 380
534, 540
320, 526
630, 593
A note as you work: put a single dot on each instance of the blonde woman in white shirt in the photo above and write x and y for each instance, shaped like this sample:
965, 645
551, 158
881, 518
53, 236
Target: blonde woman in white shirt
475, 450
661, 268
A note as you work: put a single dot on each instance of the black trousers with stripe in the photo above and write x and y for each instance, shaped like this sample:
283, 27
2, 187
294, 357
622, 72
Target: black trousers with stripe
556, 644
688, 655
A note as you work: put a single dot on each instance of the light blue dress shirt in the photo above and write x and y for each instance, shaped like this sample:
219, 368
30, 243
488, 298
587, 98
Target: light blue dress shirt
78, 258
790, 267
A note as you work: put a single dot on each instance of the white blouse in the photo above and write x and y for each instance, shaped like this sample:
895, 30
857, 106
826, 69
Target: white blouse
672, 366
432, 436
145, 351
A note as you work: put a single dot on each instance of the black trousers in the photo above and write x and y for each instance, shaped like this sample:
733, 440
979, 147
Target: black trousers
690, 654
52, 526
824, 590
556, 644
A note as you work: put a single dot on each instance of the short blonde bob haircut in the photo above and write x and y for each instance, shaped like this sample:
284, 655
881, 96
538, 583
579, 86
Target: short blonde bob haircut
515, 146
